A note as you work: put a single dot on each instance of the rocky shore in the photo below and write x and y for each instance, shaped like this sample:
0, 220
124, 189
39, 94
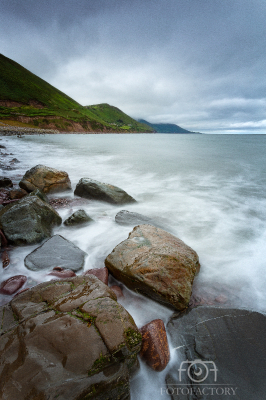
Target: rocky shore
71, 337
9, 130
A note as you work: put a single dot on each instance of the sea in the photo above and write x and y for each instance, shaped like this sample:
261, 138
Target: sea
207, 189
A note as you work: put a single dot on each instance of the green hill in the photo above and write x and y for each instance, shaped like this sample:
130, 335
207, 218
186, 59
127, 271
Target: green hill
165, 128
27, 100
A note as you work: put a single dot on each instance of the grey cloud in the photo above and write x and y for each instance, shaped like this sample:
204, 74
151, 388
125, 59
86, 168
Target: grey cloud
179, 61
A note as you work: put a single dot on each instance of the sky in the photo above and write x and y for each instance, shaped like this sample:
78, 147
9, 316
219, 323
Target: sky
200, 64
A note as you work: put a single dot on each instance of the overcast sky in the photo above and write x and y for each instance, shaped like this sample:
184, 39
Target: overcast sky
198, 63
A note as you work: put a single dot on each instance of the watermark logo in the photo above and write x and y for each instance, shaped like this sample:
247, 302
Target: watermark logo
198, 370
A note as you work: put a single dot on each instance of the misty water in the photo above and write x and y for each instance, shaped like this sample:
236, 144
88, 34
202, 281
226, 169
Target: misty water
208, 190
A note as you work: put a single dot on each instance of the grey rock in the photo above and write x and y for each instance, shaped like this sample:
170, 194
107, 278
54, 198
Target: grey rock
79, 217
56, 252
231, 340
67, 339
124, 217
39, 194
91, 189
28, 221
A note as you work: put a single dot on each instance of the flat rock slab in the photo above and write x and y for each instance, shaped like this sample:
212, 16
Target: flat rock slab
91, 189
47, 179
125, 217
230, 347
28, 221
69, 340
56, 252
157, 264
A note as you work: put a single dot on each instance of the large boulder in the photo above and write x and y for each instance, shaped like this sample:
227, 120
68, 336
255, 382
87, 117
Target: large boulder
56, 252
229, 348
69, 340
91, 189
47, 179
28, 221
157, 264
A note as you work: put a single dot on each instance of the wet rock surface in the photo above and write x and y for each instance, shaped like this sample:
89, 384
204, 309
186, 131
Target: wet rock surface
79, 217
118, 291
28, 221
230, 340
47, 179
157, 264
91, 189
56, 252
13, 284
155, 349
101, 273
67, 339
131, 218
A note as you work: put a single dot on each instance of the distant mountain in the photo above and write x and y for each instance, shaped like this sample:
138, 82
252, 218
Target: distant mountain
165, 128
27, 100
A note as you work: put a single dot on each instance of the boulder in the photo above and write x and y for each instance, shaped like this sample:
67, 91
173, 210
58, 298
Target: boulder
101, 273
56, 252
131, 218
91, 189
28, 221
39, 194
79, 217
12, 285
47, 179
155, 349
67, 339
5, 182
157, 264
220, 349
17, 193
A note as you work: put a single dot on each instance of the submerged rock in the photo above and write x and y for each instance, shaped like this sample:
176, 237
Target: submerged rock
79, 217
91, 189
157, 264
49, 180
56, 252
228, 346
124, 217
28, 221
118, 291
69, 340
155, 349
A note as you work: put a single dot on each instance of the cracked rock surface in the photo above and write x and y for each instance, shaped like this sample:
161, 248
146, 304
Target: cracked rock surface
230, 346
67, 339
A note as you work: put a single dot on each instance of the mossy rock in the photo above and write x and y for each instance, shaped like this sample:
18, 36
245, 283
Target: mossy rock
67, 339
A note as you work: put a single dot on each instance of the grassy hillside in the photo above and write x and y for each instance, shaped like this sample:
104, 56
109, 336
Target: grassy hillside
29, 100
165, 128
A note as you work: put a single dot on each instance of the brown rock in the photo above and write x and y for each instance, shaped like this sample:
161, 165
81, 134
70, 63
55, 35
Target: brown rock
101, 273
5, 259
67, 339
65, 273
155, 350
17, 194
157, 264
118, 291
49, 180
13, 284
